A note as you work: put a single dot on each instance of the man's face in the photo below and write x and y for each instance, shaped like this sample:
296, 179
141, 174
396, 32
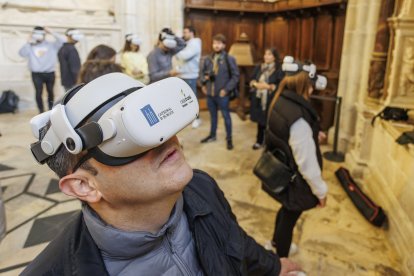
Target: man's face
161, 172
187, 34
218, 46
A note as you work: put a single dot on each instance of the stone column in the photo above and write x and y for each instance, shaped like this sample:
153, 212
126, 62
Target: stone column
147, 17
359, 38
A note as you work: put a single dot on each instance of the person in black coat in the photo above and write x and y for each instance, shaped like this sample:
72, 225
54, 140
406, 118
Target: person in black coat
69, 59
265, 80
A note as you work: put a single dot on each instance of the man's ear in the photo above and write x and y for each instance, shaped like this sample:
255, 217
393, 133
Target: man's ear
81, 187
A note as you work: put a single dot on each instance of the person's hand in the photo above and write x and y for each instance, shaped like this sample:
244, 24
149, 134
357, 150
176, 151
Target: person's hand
174, 73
321, 136
137, 73
288, 266
47, 30
322, 202
222, 93
204, 89
262, 85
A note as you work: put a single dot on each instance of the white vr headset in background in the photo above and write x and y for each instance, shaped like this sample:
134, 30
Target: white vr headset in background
168, 40
75, 34
38, 35
115, 118
289, 65
134, 39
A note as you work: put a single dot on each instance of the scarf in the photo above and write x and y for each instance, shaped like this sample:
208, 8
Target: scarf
266, 71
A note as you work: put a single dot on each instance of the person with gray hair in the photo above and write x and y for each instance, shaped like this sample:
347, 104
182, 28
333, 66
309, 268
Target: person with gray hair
145, 211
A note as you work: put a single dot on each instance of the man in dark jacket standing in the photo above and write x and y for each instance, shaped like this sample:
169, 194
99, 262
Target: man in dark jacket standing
149, 215
69, 59
219, 76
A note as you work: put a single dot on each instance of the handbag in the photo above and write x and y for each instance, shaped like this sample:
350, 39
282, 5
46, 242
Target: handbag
274, 174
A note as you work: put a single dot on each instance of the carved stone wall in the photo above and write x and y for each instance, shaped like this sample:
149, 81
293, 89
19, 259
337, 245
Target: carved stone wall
102, 22
384, 168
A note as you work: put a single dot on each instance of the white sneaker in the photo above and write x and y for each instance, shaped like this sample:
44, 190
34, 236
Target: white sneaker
293, 249
297, 273
196, 123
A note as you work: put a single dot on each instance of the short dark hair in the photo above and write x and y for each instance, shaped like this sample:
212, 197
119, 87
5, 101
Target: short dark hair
39, 28
220, 37
165, 30
93, 69
62, 162
191, 29
101, 52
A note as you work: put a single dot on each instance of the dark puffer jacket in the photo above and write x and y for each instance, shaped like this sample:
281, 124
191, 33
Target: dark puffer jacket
223, 248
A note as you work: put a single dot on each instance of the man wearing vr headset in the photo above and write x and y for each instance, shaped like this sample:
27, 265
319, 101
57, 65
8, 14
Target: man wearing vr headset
69, 59
160, 58
293, 130
42, 57
144, 210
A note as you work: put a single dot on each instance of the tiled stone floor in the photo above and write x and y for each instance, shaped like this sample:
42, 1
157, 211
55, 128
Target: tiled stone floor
335, 240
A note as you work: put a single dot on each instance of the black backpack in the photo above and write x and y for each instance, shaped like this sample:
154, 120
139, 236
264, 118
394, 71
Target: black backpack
9, 102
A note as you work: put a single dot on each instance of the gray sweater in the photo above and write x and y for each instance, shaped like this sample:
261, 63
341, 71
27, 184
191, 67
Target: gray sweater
42, 56
189, 59
171, 251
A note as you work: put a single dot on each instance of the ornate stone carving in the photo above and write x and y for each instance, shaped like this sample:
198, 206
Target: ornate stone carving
379, 56
407, 70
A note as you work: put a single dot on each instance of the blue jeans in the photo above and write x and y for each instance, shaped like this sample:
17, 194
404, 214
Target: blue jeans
193, 84
213, 104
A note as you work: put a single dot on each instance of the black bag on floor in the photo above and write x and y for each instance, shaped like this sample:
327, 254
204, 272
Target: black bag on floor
372, 212
8, 102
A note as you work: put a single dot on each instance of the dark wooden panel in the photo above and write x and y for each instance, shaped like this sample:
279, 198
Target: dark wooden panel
338, 41
323, 41
294, 37
306, 45
276, 31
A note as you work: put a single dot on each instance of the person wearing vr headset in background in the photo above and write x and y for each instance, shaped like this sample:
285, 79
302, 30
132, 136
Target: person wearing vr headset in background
293, 129
113, 144
265, 80
133, 61
42, 58
189, 62
160, 58
69, 59
219, 75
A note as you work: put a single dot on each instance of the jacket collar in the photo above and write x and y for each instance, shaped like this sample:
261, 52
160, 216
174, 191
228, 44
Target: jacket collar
194, 205
292, 96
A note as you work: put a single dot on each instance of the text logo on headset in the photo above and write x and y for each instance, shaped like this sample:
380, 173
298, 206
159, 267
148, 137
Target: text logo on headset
115, 118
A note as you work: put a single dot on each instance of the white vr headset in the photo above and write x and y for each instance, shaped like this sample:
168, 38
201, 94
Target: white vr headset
168, 40
75, 34
289, 65
134, 39
38, 35
115, 118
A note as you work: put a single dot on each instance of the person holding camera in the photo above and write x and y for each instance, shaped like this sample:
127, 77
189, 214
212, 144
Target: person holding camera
219, 75
160, 58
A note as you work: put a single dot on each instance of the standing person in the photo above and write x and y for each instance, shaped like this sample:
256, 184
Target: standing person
265, 80
160, 58
147, 212
69, 59
134, 63
220, 75
293, 129
42, 57
189, 62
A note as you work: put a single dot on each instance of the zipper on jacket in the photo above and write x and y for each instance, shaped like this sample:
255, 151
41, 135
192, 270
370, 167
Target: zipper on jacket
176, 258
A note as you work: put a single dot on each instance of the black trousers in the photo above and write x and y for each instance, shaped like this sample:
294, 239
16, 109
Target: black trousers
260, 133
284, 224
38, 80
